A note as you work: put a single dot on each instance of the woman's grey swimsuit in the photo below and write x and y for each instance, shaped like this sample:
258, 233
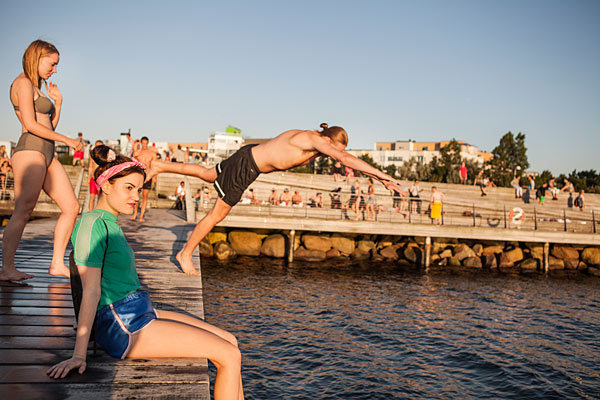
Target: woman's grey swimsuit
235, 174
30, 141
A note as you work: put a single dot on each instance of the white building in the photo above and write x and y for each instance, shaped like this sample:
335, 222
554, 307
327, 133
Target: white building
397, 153
223, 144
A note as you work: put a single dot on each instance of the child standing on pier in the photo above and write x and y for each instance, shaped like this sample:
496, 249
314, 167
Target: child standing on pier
231, 177
126, 323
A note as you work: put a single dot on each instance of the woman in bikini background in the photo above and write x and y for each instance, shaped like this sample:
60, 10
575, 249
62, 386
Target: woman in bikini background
34, 166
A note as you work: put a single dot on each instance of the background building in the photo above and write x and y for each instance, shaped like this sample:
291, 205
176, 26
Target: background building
397, 153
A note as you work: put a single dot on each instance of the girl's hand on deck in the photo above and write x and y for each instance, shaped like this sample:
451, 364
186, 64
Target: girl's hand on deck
63, 368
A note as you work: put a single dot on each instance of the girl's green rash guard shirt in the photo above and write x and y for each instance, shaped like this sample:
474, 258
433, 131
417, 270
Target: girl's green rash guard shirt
119, 277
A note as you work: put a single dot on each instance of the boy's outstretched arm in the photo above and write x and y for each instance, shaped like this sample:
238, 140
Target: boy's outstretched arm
325, 147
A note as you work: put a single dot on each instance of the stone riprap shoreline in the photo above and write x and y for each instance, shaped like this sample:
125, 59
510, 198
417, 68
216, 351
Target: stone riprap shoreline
504, 256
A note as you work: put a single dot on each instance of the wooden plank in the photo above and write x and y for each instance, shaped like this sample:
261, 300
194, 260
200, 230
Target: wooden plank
36, 342
106, 373
142, 390
36, 320
53, 356
24, 288
8, 302
34, 296
35, 311
39, 330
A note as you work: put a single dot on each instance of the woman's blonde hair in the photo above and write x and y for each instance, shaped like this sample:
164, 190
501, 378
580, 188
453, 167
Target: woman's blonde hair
31, 60
336, 133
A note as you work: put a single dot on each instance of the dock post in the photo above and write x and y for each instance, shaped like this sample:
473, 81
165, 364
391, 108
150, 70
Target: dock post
546, 256
534, 219
505, 217
427, 252
594, 221
565, 218
292, 239
190, 208
474, 220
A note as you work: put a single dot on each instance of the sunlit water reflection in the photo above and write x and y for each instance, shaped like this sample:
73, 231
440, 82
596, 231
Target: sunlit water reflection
375, 331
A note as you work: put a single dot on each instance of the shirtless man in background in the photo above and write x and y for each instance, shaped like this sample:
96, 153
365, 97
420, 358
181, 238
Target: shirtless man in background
231, 177
146, 155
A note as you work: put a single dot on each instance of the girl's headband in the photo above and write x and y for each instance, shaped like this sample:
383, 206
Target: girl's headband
112, 171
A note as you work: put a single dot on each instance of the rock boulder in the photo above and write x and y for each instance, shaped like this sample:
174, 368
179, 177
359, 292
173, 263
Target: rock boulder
274, 246
245, 243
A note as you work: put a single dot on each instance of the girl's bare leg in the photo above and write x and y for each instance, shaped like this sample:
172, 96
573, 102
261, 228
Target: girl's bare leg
206, 174
214, 216
58, 186
167, 338
187, 319
29, 171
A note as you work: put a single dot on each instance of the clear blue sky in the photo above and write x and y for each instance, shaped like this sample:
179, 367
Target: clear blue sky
384, 70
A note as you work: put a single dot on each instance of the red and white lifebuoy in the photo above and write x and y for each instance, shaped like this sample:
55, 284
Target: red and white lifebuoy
517, 215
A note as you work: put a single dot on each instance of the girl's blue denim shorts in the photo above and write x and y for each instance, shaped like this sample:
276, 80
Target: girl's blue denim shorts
116, 323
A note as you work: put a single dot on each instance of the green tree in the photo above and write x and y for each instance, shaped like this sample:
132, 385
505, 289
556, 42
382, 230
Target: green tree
542, 178
323, 165
445, 168
510, 159
390, 170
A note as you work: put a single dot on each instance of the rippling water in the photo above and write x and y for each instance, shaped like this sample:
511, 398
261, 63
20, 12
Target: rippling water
374, 331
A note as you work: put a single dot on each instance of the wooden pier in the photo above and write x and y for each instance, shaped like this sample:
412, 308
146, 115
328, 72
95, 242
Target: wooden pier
36, 321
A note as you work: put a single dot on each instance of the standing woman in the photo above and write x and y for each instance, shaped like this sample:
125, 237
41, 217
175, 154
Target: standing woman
34, 165
127, 325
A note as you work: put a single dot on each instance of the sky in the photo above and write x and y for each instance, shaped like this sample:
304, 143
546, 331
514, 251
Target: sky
384, 70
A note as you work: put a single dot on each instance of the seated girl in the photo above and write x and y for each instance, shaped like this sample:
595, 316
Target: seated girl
126, 323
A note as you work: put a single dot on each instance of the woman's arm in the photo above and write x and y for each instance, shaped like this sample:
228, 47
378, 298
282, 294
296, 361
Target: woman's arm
55, 95
24, 92
90, 281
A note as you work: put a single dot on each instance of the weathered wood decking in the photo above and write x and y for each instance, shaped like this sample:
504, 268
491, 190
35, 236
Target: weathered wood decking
36, 321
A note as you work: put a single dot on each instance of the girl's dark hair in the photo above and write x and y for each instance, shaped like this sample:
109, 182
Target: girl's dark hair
100, 154
335, 133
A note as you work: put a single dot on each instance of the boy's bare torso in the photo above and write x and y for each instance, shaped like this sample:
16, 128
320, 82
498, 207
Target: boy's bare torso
291, 149
146, 156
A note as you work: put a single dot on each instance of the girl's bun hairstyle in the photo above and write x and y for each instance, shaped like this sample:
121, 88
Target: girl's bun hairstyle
324, 125
106, 158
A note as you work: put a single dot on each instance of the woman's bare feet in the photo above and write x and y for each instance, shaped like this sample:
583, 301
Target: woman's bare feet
187, 264
14, 275
59, 270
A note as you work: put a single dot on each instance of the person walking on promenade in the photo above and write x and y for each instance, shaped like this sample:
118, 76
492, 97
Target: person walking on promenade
462, 170
415, 198
371, 203
580, 201
126, 324
146, 155
78, 155
34, 165
437, 199
480, 182
541, 193
231, 177
569, 188
92, 182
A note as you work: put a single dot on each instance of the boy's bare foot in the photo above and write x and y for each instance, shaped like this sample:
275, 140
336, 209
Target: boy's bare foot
59, 270
186, 263
132, 217
142, 219
14, 275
